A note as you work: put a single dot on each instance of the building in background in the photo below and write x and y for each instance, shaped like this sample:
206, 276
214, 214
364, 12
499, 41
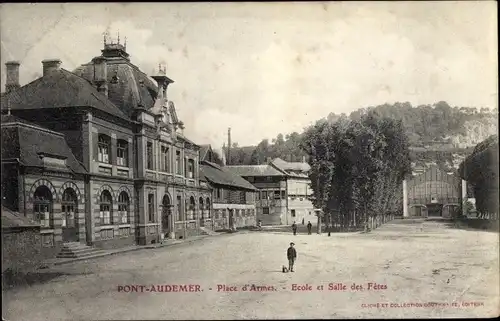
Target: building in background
272, 200
233, 198
110, 165
433, 193
299, 192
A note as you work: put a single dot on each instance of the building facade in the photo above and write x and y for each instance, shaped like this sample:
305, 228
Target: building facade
299, 192
138, 178
433, 193
272, 199
233, 197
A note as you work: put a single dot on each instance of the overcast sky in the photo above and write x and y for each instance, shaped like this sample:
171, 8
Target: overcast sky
269, 68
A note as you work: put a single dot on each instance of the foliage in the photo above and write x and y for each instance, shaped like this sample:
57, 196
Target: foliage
357, 165
481, 170
423, 125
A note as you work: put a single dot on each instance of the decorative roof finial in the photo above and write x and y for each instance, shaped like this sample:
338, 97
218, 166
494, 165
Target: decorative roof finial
104, 36
125, 44
118, 36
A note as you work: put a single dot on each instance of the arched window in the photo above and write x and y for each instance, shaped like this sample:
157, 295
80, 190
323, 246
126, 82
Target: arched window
106, 208
104, 149
69, 206
42, 206
123, 207
207, 204
192, 208
202, 209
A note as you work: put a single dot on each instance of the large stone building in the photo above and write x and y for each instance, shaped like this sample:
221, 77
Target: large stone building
98, 155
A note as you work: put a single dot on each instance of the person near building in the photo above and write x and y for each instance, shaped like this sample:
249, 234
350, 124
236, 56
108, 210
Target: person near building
294, 228
291, 255
309, 227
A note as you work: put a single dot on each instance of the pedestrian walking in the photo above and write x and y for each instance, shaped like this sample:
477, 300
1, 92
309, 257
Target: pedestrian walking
302, 221
309, 227
294, 228
291, 255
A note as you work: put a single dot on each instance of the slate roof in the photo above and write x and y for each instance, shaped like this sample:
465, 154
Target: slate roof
220, 175
204, 150
254, 170
132, 88
11, 219
26, 142
292, 167
59, 89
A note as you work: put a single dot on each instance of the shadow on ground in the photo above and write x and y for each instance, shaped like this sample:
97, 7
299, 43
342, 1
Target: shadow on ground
474, 224
12, 279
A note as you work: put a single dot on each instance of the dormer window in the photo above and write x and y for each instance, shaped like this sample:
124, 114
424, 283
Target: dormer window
114, 79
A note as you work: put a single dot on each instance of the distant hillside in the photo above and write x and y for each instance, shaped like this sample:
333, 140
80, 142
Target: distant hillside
437, 129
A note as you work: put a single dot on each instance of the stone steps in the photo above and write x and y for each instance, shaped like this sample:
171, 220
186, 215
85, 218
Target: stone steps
77, 250
206, 231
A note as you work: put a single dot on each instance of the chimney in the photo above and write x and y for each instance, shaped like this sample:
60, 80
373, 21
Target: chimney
228, 146
12, 81
101, 74
50, 65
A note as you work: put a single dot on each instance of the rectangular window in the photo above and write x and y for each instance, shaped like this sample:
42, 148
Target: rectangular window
219, 193
151, 207
164, 159
190, 171
149, 155
265, 210
243, 198
264, 195
122, 153
276, 195
42, 214
283, 195
178, 163
105, 214
103, 149
293, 213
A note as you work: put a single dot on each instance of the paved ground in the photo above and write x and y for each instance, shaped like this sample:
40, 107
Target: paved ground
418, 262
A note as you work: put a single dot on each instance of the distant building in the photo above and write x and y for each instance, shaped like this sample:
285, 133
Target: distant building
233, 197
299, 192
272, 199
284, 191
433, 193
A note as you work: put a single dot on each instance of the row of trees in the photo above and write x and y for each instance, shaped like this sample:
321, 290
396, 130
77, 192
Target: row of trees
422, 124
480, 169
357, 167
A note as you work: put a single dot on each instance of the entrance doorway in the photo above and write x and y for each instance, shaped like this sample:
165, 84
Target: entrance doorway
434, 210
69, 209
202, 212
165, 216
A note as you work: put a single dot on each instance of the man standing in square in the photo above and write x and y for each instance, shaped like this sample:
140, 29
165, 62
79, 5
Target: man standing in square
309, 227
292, 256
